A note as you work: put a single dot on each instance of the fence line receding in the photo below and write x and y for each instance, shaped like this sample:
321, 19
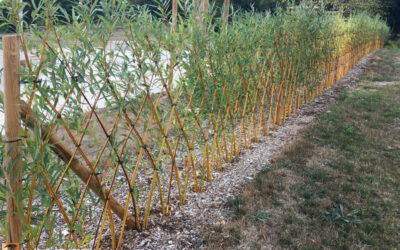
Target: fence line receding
122, 116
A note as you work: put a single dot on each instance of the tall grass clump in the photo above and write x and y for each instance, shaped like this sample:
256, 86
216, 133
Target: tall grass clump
150, 112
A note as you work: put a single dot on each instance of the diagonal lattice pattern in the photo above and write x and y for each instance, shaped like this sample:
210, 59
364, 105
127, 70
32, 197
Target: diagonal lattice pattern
121, 123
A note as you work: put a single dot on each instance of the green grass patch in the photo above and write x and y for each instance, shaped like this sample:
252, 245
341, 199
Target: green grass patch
338, 186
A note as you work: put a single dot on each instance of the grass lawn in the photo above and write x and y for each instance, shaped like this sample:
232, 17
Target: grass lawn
338, 185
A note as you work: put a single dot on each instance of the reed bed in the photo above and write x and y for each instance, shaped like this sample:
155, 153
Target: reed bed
119, 128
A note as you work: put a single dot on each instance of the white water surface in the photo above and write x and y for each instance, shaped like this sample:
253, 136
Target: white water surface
119, 51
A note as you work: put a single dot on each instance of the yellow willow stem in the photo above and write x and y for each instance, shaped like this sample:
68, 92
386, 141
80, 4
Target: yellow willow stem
277, 103
242, 129
270, 112
208, 164
290, 108
103, 222
213, 147
219, 156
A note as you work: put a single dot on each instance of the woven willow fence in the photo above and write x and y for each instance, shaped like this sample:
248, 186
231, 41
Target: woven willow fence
120, 124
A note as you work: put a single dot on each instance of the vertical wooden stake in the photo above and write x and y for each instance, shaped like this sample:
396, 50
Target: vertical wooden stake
174, 14
226, 13
198, 10
205, 6
204, 12
13, 161
174, 27
202, 8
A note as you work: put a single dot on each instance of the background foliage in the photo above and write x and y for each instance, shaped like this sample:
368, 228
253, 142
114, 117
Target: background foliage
388, 9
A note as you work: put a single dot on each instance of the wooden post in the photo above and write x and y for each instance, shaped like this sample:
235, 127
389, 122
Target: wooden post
205, 6
14, 108
13, 160
226, 13
174, 27
201, 7
174, 14
198, 11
